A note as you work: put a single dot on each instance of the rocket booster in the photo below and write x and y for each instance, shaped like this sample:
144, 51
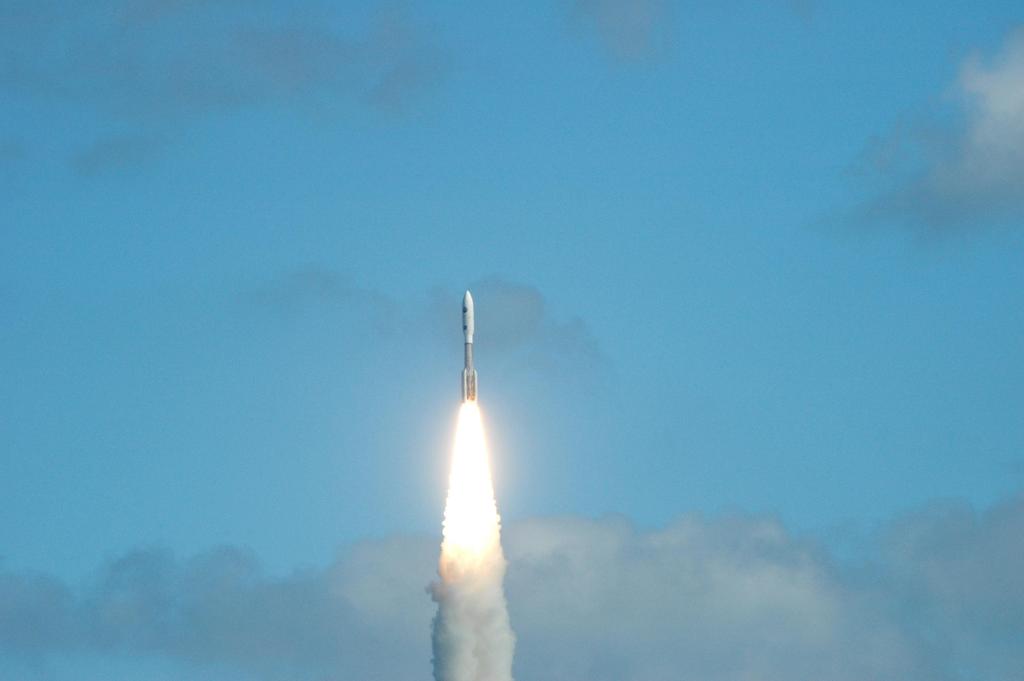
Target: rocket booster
468, 372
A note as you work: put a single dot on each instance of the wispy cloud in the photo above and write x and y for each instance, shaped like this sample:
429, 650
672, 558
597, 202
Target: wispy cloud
719, 599
311, 285
115, 153
321, 291
640, 30
514, 319
628, 29
172, 59
960, 171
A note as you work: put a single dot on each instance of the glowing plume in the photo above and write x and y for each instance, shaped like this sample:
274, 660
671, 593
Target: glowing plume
472, 638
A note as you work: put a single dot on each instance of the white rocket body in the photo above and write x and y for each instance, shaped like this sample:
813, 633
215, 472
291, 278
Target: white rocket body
468, 372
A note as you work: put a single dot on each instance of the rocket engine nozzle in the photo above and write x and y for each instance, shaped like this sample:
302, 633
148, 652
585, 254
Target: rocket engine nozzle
468, 385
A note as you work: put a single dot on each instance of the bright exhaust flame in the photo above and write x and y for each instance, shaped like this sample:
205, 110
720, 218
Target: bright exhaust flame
471, 515
473, 640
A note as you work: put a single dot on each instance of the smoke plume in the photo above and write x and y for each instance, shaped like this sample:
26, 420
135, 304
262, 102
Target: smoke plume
472, 637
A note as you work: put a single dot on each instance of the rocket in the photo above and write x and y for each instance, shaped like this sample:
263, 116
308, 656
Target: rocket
468, 372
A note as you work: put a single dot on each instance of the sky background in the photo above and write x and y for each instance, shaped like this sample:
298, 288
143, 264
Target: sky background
748, 284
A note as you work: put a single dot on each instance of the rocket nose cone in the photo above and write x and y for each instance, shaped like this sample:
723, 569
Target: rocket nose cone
467, 317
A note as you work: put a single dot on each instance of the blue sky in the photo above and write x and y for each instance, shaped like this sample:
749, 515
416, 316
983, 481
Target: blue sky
756, 258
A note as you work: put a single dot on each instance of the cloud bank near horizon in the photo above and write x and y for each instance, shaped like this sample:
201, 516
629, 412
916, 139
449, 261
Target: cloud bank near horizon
940, 596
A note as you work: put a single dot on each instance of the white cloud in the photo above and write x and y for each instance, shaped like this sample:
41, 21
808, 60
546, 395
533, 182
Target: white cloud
970, 174
732, 599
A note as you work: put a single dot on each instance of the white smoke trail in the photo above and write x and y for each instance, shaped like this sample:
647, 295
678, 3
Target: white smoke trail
472, 638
